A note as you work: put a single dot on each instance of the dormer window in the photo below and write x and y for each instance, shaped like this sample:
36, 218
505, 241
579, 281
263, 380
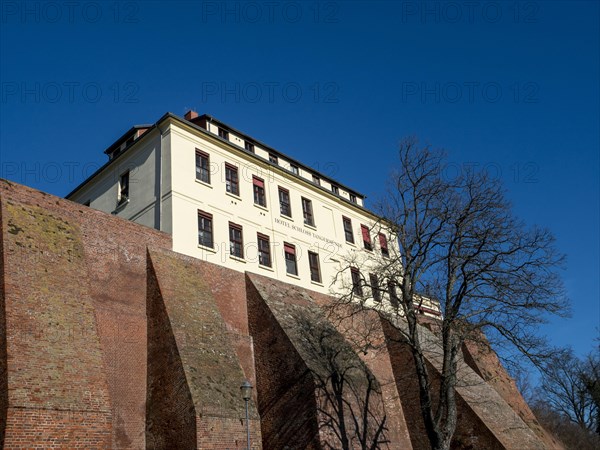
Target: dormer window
353, 198
249, 146
273, 158
335, 189
294, 169
223, 133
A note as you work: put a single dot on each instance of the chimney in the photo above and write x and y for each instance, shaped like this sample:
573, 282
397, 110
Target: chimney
190, 115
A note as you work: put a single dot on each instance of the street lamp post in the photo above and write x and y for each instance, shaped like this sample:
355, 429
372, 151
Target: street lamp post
246, 389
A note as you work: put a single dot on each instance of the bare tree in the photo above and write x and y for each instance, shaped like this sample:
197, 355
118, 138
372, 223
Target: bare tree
459, 245
569, 433
591, 379
565, 390
349, 399
570, 387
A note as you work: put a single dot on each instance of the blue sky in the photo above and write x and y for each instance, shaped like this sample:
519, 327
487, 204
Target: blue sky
512, 87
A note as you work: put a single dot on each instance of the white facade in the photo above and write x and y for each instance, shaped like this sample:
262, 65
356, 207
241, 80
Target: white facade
167, 191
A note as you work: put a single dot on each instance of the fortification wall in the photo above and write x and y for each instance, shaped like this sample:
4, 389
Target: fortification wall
108, 339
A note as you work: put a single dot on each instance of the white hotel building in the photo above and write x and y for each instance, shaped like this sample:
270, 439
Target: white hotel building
231, 200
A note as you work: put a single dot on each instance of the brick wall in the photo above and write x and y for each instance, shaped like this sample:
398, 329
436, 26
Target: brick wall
362, 329
285, 391
193, 369
297, 346
53, 351
3, 361
228, 289
170, 411
484, 361
75, 288
485, 420
108, 339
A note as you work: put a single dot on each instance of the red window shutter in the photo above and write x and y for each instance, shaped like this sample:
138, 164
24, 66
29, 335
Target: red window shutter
258, 182
365, 233
382, 241
289, 248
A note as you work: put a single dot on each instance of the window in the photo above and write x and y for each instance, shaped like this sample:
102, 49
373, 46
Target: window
273, 158
123, 195
375, 291
264, 250
353, 198
236, 242
290, 259
335, 189
249, 146
231, 179
316, 180
223, 133
384, 246
294, 169
366, 237
313, 263
202, 166
284, 202
356, 282
392, 293
348, 230
308, 212
205, 229
259, 191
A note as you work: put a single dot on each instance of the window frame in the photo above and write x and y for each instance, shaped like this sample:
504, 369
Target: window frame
203, 156
280, 191
316, 179
375, 288
233, 228
123, 187
393, 294
203, 215
335, 189
249, 146
223, 133
273, 158
264, 250
307, 212
356, 277
233, 183
292, 252
314, 267
295, 169
258, 185
383, 245
348, 232
353, 198
366, 236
